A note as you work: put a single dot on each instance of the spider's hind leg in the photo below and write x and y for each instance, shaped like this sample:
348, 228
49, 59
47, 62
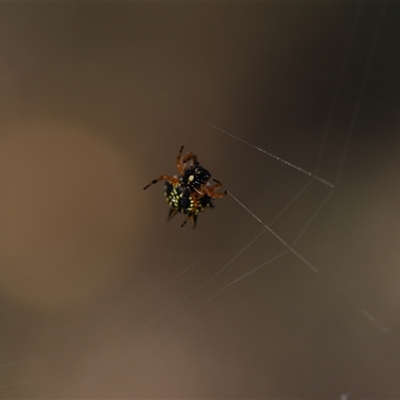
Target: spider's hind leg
171, 214
193, 218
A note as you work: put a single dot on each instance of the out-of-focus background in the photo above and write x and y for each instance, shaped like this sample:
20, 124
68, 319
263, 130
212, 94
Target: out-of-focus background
96, 100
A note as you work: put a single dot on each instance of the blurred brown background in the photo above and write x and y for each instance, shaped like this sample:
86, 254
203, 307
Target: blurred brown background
96, 99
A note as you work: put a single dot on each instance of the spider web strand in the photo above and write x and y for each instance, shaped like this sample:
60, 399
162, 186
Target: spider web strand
286, 244
308, 173
360, 97
87, 333
345, 60
15, 70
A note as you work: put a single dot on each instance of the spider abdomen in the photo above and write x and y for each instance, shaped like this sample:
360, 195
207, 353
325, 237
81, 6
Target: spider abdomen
179, 198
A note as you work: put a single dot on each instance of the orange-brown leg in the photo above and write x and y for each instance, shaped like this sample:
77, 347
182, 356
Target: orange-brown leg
172, 213
211, 190
190, 156
179, 163
217, 186
192, 218
218, 195
168, 178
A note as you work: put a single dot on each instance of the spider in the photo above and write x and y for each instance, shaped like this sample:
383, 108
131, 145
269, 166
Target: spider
190, 192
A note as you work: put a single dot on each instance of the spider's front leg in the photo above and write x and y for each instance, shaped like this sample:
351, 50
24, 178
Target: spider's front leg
211, 191
180, 162
190, 156
168, 178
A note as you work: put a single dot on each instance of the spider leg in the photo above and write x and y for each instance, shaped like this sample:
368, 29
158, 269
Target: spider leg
179, 163
218, 184
217, 195
194, 221
172, 213
168, 178
192, 217
210, 191
190, 156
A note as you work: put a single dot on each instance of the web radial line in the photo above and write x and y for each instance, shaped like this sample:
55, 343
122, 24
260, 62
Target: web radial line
273, 221
349, 45
27, 382
317, 211
286, 244
363, 85
87, 333
257, 268
175, 326
241, 251
292, 201
265, 230
369, 316
368, 357
120, 340
21, 362
105, 370
128, 309
296, 167
15, 70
